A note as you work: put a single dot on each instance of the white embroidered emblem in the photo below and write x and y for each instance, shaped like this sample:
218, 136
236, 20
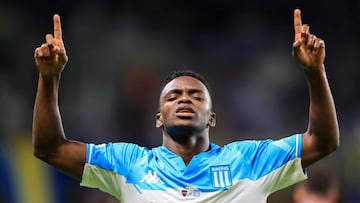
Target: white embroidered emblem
151, 177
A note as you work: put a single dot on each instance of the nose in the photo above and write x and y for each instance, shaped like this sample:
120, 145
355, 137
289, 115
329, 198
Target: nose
184, 99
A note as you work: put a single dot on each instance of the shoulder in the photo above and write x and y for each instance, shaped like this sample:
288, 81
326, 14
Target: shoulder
114, 147
114, 152
286, 144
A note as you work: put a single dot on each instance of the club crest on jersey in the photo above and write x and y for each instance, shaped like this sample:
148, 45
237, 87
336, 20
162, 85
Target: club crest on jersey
220, 176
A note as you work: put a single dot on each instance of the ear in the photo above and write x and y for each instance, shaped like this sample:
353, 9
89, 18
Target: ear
159, 122
212, 119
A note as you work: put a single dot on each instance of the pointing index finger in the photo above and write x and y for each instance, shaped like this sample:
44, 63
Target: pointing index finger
297, 23
57, 27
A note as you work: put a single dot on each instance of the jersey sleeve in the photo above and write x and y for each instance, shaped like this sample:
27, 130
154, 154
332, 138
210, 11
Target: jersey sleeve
276, 164
276, 153
283, 157
107, 165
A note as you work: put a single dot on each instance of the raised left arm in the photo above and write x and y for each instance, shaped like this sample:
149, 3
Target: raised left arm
322, 135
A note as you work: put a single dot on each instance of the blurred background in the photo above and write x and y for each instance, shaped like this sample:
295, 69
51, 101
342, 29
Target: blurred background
119, 51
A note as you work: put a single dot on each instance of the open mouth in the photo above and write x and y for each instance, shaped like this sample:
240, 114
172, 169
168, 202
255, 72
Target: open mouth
185, 112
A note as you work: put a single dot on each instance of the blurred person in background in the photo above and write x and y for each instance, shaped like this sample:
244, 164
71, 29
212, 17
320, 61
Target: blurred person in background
187, 167
320, 187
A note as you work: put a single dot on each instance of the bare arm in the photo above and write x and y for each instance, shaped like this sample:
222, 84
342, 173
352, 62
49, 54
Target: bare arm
322, 135
49, 141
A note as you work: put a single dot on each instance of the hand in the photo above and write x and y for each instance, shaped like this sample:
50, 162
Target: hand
307, 48
50, 57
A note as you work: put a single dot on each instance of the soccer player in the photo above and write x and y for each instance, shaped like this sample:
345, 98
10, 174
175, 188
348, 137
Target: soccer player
187, 167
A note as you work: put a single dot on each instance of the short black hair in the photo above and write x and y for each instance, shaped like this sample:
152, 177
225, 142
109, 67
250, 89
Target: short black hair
190, 73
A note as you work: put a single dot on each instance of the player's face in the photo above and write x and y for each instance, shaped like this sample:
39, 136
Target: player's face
185, 101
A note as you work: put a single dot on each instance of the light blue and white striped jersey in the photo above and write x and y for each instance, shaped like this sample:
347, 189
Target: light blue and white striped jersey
243, 171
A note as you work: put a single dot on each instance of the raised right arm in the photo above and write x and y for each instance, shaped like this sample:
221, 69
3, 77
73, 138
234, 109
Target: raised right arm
49, 140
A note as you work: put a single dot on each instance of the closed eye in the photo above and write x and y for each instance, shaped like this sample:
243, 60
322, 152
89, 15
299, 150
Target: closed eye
172, 97
198, 98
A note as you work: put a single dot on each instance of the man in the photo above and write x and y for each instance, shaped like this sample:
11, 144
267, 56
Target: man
187, 167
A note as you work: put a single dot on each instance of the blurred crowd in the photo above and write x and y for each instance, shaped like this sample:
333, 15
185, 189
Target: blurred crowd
119, 51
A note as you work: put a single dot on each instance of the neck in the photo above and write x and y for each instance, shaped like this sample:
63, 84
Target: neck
189, 145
